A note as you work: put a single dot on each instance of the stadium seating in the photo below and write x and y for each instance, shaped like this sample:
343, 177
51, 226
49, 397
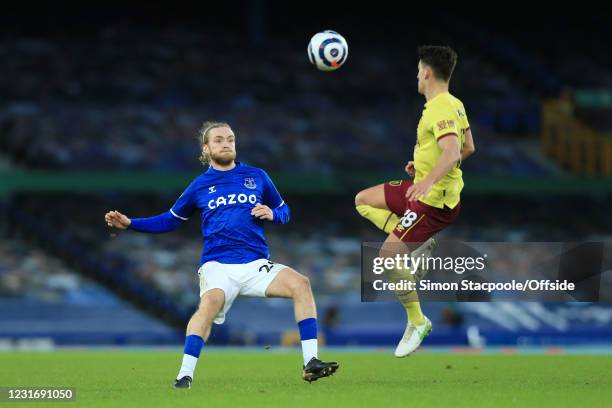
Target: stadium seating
126, 104
42, 298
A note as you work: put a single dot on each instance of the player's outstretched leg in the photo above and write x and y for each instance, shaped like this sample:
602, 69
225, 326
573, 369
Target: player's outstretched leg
290, 284
418, 325
198, 330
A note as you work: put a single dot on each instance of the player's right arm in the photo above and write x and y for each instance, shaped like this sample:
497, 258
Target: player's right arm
117, 220
467, 150
165, 222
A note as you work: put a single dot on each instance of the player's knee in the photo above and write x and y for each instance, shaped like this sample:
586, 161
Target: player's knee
300, 285
212, 301
360, 198
383, 252
388, 251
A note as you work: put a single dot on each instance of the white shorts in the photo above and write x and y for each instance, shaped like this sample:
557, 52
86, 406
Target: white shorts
249, 279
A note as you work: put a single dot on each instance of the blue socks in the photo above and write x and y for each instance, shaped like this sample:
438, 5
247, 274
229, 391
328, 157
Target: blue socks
194, 344
308, 335
308, 328
193, 347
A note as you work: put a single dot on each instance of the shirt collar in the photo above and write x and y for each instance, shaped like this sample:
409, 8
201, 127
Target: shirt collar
436, 97
212, 170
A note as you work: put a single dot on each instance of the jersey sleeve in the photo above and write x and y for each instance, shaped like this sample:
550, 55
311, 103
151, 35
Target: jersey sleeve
271, 196
444, 124
165, 222
272, 199
186, 204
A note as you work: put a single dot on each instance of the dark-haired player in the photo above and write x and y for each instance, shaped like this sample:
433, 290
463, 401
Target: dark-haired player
413, 211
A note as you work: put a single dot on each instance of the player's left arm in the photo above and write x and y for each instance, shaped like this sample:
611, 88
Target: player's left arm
449, 156
273, 208
468, 145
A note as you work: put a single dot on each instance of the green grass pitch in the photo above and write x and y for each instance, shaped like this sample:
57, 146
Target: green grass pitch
273, 379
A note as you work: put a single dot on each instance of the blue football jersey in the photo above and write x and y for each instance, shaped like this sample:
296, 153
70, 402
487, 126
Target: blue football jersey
230, 234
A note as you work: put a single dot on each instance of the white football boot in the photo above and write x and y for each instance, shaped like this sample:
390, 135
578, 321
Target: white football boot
413, 336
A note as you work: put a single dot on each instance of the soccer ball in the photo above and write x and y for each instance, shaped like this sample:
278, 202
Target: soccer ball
327, 50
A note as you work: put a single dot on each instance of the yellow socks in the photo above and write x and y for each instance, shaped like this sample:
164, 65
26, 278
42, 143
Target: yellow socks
383, 219
408, 298
415, 315
387, 221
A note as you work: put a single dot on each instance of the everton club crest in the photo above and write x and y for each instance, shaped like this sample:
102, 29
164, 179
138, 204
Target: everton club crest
250, 183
